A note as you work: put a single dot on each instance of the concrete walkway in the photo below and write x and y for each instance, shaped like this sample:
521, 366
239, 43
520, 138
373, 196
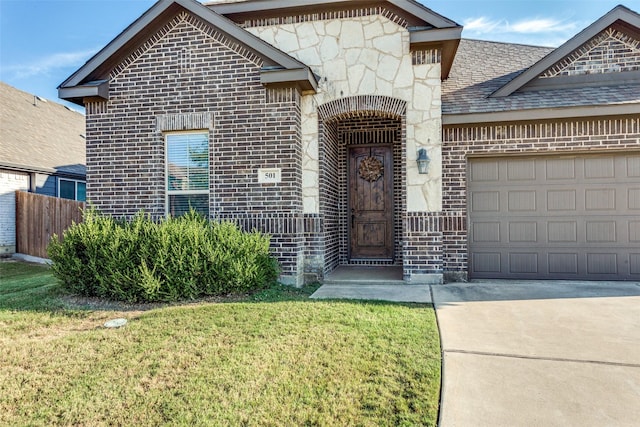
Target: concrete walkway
394, 293
530, 353
540, 353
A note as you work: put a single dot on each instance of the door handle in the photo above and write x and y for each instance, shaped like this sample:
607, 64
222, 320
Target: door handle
353, 218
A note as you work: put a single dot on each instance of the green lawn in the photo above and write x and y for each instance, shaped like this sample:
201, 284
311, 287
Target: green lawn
270, 359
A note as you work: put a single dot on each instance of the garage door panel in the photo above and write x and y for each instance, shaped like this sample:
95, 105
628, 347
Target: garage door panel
602, 263
634, 199
487, 262
486, 232
484, 171
523, 201
634, 231
601, 231
521, 170
572, 217
599, 167
560, 169
562, 263
634, 263
561, 200
633, 166
600, 199
562, 232
485, 201
523, 232
523, 263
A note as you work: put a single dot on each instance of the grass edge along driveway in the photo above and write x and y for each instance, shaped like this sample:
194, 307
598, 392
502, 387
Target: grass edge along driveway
273, 358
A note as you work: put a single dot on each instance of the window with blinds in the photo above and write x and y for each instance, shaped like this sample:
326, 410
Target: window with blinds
187, 172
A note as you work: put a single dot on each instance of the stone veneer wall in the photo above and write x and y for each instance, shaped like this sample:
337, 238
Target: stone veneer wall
460, 143
362, 56
189, 76
365, 54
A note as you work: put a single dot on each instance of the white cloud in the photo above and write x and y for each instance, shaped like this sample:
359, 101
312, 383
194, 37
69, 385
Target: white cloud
44, 65
541, 25
482, 25
536, 31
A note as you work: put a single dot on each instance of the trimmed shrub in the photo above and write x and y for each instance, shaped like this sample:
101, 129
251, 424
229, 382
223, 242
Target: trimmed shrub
173, 259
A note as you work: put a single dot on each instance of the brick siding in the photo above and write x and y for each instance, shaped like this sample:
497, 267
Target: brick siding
358, 131
610, 51
423, 244
551, 137
187, 77
353, 121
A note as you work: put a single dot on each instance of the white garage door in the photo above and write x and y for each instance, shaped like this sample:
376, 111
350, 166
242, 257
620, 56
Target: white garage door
555, 217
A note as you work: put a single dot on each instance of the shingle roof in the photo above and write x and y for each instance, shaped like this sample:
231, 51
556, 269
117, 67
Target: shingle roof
482, 67
46, 136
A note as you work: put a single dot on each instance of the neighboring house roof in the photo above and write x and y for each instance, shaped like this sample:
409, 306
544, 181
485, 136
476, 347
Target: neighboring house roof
92, 79
426, 28
37, 135
500, 81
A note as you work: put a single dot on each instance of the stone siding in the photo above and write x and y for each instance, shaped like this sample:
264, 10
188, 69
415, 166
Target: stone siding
369, 80
366, 54
461, 143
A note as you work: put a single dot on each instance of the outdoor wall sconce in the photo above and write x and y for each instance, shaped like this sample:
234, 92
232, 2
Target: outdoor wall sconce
423, 161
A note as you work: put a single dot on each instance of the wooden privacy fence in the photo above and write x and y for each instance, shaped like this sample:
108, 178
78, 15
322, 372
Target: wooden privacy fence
39, 217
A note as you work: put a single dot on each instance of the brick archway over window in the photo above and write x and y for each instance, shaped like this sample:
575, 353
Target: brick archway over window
362, 106
345, 122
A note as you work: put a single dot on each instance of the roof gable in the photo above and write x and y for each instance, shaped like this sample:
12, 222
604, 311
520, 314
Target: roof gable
608, 50
427, 29
90, 79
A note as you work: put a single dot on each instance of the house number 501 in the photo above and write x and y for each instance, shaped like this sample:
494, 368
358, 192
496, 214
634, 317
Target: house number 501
266, 176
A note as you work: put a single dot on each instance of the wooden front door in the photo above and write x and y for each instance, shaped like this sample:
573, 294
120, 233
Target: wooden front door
370, 210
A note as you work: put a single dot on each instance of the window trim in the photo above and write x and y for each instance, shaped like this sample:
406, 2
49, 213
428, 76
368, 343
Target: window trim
167, 192
75, 188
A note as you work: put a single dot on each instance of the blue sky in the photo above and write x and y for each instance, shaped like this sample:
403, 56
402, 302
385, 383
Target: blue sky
42, 42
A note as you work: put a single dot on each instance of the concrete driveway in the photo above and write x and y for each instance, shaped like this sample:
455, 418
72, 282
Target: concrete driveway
540, 353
